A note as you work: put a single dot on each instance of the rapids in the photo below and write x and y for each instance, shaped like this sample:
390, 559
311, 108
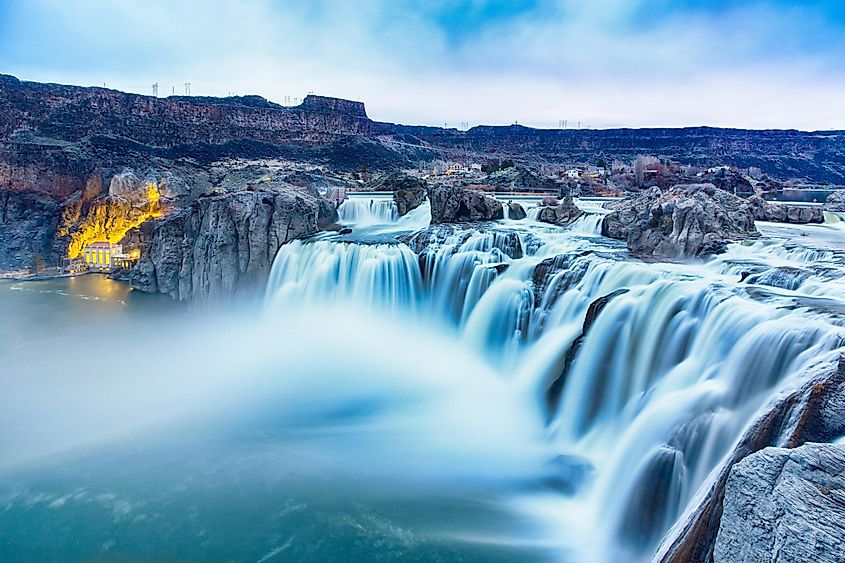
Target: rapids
406, 392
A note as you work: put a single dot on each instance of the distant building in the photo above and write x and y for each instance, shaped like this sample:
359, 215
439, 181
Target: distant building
104, 257
573, 173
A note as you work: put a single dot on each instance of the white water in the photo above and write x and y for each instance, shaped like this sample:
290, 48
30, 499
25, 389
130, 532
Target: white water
667, 377
394, 404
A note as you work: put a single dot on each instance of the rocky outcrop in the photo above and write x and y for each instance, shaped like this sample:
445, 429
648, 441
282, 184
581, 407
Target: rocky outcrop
562, 213
812, 411
408, 192
454, 204
222, 245
781, 213
835, 202
519, 179
29, 223
785, 505
516, 211
684, 221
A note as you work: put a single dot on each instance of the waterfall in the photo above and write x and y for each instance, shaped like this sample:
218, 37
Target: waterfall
367, 211
647, 395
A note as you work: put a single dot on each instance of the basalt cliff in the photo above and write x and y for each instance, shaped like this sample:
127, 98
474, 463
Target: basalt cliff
76, 162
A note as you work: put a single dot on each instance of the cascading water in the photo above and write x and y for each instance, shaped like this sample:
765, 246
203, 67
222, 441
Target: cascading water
419, 392
357, 210
667, 376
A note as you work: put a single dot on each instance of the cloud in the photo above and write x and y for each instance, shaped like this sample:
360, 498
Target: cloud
772, 63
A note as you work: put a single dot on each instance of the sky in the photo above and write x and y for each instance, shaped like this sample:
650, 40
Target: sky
597, 63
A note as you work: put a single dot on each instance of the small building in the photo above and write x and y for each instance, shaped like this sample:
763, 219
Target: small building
105, 256
98, 255
573, 173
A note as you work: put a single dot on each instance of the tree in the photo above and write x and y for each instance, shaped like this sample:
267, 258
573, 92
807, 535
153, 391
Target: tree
37, 263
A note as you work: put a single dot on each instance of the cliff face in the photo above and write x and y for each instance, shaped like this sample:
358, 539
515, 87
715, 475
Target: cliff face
784, 154
72, 113
222, 245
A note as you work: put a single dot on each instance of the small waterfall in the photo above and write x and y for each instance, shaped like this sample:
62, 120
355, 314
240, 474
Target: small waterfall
834, 218
375, 275
367, 211
587, 224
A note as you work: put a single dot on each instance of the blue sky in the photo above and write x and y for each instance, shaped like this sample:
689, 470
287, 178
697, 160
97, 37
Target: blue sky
604, 63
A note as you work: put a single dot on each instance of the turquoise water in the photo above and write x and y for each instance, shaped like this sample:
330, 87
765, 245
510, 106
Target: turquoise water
390, 406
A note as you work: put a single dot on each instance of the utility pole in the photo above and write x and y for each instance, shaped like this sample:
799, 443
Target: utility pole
155, 89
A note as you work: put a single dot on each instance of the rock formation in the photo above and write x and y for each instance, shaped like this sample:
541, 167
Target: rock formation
408, 192
785, 505
222, 244
782, 213
813, 410
516, 211
835, 202
520, 179
684, 221
453, 204
562, 213
28, 225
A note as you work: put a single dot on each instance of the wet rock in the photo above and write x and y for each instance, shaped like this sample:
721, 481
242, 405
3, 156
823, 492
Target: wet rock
408, 192
455, 204
516, 211
457, 237
835, 202
784, 277
684, 221
222, 244
781, 213
785, 505
563, 213
813, 410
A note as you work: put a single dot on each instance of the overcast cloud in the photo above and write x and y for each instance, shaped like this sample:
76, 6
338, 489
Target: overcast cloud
605, 63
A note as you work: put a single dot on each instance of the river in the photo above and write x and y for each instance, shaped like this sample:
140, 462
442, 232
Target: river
384, 405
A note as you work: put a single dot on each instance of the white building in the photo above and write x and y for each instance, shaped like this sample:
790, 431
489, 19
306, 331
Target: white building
573, 173
104, 256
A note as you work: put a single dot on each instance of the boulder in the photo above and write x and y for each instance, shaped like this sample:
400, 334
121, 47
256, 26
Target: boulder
782, 213
516, 211
562, 214
222, 244
519, 179
783, 505
835, 202
455, 204
681, 222
408, 192
813, 410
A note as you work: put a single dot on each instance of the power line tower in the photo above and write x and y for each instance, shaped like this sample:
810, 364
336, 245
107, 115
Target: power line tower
155, 89
187, 88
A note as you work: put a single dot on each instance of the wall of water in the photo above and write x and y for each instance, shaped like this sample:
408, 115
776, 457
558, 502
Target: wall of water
664, 380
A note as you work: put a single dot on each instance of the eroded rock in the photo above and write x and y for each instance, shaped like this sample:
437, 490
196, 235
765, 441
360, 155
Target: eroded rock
563, 213
455, 204
835, 202
222, 244
684, 221
785, 505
